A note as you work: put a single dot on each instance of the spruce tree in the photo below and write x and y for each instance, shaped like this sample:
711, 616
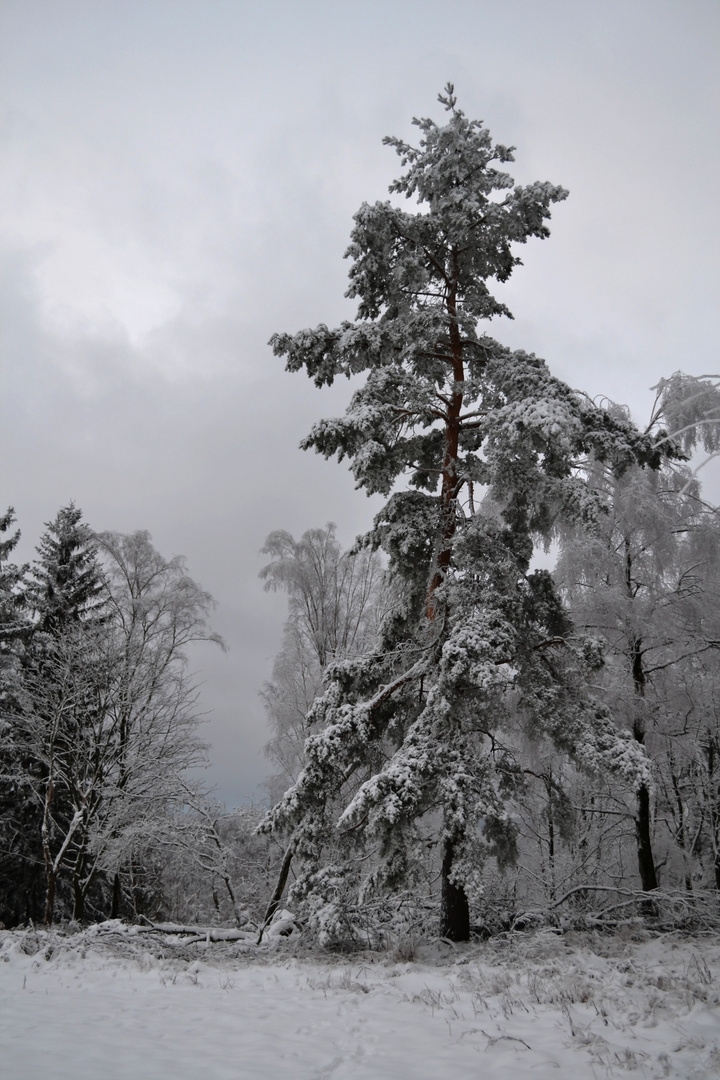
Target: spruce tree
478, 449
13, 623
21, 878
64, 679
67, 581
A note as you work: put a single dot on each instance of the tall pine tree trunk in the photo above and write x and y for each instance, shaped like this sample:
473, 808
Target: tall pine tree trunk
455, 910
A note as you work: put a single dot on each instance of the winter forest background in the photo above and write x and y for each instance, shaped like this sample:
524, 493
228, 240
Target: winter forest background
515, 675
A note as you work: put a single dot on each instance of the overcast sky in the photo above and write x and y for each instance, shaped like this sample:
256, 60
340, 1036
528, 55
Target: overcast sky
177, 182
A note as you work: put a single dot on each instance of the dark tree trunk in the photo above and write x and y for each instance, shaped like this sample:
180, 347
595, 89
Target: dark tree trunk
116, 897
455, 910
279, 888
646, 863
713, 807
449, 485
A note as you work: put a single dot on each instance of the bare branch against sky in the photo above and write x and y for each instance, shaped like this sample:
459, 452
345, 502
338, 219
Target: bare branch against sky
178, 179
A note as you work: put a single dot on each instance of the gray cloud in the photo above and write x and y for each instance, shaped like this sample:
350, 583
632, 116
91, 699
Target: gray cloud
178, 183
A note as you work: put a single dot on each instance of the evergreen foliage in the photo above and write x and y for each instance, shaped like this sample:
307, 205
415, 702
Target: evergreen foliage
64, 685
21, 876
67, 580
13, 619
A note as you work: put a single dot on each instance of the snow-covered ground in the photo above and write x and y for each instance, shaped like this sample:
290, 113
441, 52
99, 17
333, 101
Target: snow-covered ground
104, 1005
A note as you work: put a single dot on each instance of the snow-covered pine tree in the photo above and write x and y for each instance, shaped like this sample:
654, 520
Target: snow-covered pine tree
413, 732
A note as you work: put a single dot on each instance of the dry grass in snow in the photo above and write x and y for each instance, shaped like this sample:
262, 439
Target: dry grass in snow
109, 1004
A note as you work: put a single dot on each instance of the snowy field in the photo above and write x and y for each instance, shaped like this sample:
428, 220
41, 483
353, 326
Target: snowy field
105, 1004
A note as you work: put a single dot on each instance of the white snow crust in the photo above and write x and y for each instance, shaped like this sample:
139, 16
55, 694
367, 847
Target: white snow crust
110, 1004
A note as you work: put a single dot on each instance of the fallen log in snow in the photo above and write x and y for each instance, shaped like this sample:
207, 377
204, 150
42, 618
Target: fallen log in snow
197, 933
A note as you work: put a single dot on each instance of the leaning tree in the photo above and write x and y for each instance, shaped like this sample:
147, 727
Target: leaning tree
481, 452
